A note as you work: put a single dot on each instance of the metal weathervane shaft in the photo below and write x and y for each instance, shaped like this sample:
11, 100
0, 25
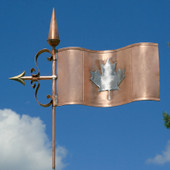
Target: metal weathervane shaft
53, 40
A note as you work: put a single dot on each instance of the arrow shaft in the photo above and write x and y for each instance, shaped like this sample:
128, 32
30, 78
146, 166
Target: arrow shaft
39, 78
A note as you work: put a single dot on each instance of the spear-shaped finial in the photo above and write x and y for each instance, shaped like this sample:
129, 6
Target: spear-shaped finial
53, 37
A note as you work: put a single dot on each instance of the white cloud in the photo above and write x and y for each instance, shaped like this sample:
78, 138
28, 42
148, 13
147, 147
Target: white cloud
162, 158
24, 143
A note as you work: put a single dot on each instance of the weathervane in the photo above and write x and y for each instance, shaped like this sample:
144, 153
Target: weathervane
53, 40
97, 78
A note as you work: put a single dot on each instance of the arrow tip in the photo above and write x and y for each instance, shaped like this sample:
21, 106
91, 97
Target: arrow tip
19, 78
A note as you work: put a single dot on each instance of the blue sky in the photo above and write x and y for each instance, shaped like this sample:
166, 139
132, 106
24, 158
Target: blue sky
127, 137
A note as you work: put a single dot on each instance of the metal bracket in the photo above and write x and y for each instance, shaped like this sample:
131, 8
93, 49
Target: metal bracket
56, 100
56, 56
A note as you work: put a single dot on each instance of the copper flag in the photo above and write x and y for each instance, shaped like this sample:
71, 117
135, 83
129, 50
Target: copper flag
136, 66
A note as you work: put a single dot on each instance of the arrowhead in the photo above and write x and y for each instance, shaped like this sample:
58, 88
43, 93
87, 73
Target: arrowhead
53, 37
19, 78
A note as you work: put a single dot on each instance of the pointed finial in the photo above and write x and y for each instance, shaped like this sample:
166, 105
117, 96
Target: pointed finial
53, 37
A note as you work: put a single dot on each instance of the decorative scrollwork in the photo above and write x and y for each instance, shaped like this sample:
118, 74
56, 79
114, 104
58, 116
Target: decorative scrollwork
36, 57
35, 85
35, 82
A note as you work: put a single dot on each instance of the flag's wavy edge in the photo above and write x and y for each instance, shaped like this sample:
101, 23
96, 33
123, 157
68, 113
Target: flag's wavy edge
107, 51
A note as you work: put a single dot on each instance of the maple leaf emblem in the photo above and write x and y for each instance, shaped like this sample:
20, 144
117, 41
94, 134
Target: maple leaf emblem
109, 79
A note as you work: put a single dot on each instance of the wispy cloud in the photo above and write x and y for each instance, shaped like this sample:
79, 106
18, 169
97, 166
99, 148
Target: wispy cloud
24, 143
162, 158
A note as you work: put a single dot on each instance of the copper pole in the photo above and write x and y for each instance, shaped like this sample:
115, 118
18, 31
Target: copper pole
53, 40
53, 109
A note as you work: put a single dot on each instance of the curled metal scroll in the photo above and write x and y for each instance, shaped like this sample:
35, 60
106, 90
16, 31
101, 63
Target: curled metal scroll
35, 82
36, 58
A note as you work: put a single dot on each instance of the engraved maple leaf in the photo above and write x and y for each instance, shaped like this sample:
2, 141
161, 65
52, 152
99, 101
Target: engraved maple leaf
109, 79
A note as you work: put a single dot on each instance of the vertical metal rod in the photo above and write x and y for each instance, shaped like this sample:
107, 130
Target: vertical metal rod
53, 109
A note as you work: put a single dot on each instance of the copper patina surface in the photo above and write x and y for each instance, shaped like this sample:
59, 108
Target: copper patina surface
141, 64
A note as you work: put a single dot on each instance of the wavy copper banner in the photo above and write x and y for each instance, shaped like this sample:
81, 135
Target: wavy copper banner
108, 78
